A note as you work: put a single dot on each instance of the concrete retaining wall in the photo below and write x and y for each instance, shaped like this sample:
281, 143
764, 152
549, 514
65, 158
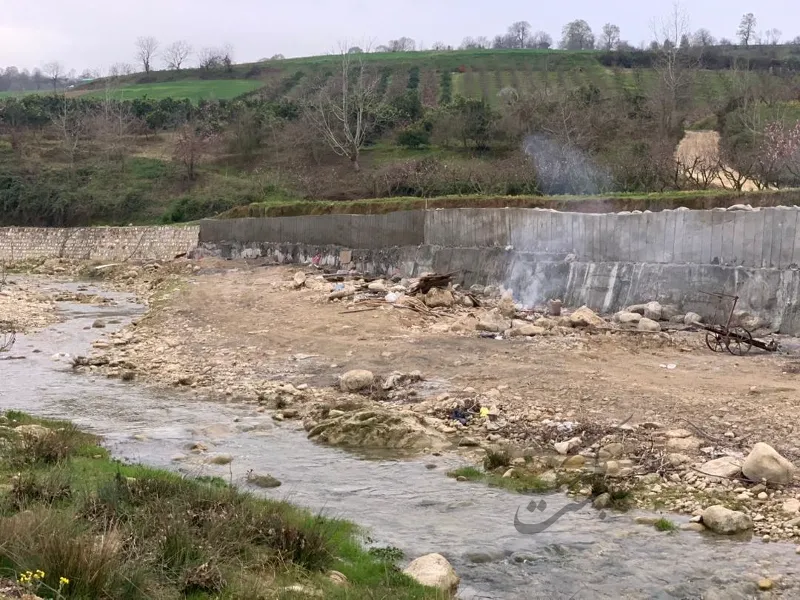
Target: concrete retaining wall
765, 238
97, 243
773, 294
405, 228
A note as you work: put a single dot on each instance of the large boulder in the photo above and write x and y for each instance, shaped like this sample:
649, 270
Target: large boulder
669, 312
586, 317
527, 329
434, 571
764, 463
627, 318
725, 521
494, 322
299, 280
378, 429
652, 310
647, 324
437, 297
357, 380
691, 318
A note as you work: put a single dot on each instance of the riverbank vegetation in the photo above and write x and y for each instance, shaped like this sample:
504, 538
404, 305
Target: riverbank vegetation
76, 524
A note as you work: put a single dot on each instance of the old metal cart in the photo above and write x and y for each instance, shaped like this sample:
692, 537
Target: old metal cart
737, 340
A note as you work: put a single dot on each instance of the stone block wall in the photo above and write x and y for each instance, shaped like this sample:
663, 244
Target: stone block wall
97, 243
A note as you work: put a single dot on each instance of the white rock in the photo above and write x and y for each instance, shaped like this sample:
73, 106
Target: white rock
626, 318
652, 310
299, 279
722, 468
357, 380
564, 448
493, 322
433, 570
437, 297
725, 521
764, 462
377, 286
691, 318
586, 317
647, 324
683, 444
791, 506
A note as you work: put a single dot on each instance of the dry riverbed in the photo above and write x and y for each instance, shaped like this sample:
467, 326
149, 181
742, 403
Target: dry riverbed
545, 406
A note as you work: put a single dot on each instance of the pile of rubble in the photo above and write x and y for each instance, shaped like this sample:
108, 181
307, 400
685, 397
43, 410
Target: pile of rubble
489, 311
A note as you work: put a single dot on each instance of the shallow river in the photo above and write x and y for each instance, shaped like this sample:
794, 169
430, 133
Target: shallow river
402, 502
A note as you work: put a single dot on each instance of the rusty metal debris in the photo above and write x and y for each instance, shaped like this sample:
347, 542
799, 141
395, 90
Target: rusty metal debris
427, 282
737, 340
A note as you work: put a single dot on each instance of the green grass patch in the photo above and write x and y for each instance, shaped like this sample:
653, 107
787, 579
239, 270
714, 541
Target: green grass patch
665, 525
194, 90
521, 481
131, 532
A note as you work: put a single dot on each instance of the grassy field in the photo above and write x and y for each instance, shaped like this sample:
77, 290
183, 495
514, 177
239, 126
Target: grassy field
194, 90
75, 524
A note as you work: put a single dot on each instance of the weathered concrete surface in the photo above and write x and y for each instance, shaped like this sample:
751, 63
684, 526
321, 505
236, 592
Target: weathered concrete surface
773, 294
97, 243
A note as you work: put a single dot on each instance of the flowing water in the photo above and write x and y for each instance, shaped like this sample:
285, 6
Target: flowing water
403, 503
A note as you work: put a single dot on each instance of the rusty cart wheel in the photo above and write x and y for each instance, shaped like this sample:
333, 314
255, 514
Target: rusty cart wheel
715, 342
739, 341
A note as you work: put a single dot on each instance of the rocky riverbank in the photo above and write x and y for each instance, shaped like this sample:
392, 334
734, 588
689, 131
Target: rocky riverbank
341, 367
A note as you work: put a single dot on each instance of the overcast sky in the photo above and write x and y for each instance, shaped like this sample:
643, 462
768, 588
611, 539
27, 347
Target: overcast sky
98, 33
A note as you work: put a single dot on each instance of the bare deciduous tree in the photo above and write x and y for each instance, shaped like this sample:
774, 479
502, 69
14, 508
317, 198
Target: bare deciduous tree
747, 28
673, 67
344, 112
610, 38
71, 125
210, 58
146, 48
702, 38
191, 145
176, 54
404, 44
773, 36
541, 40
520, 32
54, 71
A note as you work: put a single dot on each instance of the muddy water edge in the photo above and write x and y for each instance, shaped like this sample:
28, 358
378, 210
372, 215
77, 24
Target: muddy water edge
402, 503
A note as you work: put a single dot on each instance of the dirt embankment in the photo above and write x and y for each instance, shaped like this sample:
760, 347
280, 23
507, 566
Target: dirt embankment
699, 153
552, 395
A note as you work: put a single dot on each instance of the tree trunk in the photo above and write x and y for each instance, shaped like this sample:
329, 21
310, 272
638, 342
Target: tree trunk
354, 160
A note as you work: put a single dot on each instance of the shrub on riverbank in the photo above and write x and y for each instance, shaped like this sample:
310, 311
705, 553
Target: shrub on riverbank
116, 531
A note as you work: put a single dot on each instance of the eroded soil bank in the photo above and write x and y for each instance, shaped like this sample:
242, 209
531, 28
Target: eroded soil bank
245, 334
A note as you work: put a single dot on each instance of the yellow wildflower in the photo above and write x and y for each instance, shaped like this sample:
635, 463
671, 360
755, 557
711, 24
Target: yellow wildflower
63, 581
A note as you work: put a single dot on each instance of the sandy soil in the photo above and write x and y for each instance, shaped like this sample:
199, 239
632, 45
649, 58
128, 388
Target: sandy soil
226, 330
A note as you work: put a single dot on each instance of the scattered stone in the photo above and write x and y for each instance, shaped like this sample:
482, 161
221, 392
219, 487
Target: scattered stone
574, 462
433, 570
646, 324
725, 521
677, 459
262, 481
99, 324
356, 380
791, 506
646, 520
691, 318
652, 311
614, 450
764, 463
337, 577
221, 459
721, 468
683, 444
602, 501
508, 474
564, 448
377, 286
586, 317
493, 322
699, 527
627, 318
299, 280
526, 330
764, 584
437, 297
